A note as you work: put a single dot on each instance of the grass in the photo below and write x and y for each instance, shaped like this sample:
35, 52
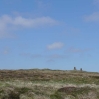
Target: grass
48, 84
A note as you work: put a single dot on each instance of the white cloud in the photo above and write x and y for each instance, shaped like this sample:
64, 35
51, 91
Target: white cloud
56, 45
94, 17
8, 23
20, 21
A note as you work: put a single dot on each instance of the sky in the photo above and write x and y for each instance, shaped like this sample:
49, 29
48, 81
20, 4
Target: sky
53, 34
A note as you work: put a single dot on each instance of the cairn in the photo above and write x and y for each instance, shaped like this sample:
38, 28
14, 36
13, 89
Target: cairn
81, 69
75, 68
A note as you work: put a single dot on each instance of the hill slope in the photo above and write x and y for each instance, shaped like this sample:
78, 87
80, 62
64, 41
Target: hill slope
48, 84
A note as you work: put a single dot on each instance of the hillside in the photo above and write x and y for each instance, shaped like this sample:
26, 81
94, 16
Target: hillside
48, 84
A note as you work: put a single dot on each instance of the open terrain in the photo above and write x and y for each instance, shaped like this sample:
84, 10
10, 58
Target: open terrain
48, 84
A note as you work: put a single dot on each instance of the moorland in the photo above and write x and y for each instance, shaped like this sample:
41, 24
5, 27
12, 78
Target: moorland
48, 84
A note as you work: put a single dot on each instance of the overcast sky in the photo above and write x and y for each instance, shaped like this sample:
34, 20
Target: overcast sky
54, 34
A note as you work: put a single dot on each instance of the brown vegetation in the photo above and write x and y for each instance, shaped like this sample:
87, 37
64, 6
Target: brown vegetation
48, 84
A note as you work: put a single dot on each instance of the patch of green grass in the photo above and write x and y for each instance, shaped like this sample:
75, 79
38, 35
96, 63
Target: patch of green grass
56, 95
23, 90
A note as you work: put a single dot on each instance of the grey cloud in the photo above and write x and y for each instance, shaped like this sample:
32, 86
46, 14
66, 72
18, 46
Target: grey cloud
94, 17
77, 50
56, 56
5, 51
50, 60
31, 55
96, 2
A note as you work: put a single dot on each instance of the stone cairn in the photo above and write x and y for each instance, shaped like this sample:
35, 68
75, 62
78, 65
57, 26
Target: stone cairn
75, 68
81, 69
